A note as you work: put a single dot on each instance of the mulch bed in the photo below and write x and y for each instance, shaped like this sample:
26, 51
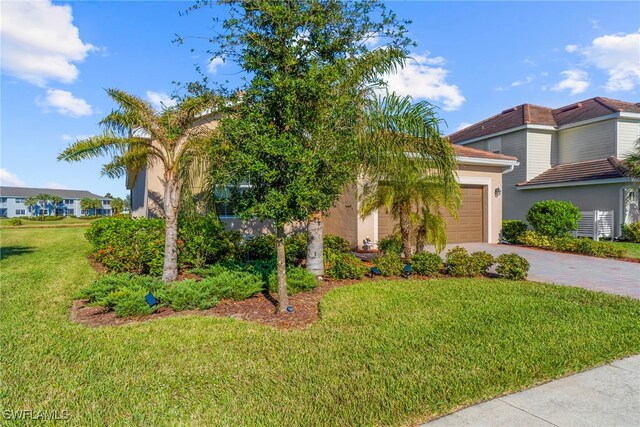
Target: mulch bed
260, 308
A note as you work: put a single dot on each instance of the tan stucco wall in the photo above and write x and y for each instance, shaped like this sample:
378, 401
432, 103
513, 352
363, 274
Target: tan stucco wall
342, 220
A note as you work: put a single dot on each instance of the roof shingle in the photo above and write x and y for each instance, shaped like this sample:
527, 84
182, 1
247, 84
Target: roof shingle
534, 114
31, 192
610, 167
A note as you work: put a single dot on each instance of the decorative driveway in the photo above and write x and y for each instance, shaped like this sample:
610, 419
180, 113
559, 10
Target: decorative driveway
598, 274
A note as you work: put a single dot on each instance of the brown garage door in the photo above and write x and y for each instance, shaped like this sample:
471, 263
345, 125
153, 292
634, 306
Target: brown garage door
471, 219
470, 224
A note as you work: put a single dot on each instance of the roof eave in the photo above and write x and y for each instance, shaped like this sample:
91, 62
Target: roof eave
579, 183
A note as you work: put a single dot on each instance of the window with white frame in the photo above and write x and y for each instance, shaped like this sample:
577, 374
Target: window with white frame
19, 200
20, 212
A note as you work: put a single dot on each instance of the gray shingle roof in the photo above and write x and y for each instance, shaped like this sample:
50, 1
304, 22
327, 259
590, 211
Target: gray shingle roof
588, 170
30, 192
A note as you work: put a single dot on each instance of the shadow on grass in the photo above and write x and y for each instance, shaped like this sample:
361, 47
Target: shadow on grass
7, 251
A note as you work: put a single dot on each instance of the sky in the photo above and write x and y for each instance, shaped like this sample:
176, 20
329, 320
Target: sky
472, 60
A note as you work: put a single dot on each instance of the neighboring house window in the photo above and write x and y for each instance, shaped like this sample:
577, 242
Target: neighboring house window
19, 200
224, 206
3, 212
68, 201
3, 200
631, 205
105, 202
70, 212
20, 212
494, 145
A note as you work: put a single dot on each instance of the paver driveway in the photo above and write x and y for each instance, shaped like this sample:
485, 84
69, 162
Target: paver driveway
598, 274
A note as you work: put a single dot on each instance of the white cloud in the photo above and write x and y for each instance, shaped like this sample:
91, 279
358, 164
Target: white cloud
213, 65
55, 185
372, 41
529, 61
595, 24
576, 81
619, 56
424, 77
517, 83
40, 42
160, 100
10, 179
463, 125
571, 48
65, 103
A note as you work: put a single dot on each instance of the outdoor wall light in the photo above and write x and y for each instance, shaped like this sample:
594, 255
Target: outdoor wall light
498, 192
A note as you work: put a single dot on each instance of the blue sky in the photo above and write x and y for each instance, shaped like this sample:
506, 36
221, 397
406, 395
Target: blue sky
473, 60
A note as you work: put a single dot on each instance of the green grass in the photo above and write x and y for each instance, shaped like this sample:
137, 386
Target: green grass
384, 353
633, 249
46, 224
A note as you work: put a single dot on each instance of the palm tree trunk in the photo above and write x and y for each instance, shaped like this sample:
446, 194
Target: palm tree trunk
315, 260
283, 297
405, 230
421, 239
171, 204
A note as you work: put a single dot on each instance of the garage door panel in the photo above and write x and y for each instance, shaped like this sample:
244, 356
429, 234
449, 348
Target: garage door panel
469, 227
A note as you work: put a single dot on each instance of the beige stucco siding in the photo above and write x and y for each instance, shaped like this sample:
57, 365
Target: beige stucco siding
587, 142
628, 134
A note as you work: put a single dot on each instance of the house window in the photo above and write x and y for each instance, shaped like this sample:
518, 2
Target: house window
70, 212
4, 213
19, 199
20, 212
3, 200
224, 201
494, 145
105, 202
68, 201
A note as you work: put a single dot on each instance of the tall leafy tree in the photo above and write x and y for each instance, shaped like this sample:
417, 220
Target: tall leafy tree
117, 204
136, 136
412, 186
31, 203
295, 124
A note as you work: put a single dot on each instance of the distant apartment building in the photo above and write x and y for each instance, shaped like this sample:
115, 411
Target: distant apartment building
13, 203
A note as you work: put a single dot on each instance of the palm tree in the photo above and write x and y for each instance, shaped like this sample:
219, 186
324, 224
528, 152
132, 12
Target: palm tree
422, 176
55, 201
633, 162
116, 205
42, 202
31, 203
136, 136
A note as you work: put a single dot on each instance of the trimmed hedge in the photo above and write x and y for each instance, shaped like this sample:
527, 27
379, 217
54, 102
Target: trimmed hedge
426, 263
391, 244
632, 232
512, 266
344, 266
581, 245
512, 229
553, 218
390, 264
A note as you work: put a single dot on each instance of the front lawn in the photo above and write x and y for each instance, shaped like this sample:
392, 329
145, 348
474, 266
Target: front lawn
633, 249
383, 353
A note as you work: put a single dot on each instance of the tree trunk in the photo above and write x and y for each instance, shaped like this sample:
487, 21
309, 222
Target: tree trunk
421, 239
283, 297
171, 204
315, 259
405, 231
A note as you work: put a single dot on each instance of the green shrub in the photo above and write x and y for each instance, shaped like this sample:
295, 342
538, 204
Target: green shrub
632, 232
346, 266
261, 247
46, 218
553, 218
122, 293
237, 285
15, 221
512, 266
536, 240
391, 244
188, 295
586, 246
298, 280
137, 245
426, 263
336, 244
512, 229
127, 302
479, 263
458, 262
295, 247
390, 264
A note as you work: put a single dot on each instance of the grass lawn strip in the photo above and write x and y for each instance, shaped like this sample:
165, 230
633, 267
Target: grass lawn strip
391, 352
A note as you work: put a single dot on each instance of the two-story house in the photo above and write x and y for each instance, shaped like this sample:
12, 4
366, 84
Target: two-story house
573, 153
13, 202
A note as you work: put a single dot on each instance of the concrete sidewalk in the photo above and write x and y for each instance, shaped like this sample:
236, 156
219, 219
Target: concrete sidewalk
604, 396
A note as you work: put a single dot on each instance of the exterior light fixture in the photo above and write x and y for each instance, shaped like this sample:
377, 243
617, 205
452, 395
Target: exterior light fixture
497, 192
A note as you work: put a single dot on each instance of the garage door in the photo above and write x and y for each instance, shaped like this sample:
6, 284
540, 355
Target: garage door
471, 219
471, 222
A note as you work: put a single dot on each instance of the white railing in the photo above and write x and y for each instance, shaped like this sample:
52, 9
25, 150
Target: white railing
595, 224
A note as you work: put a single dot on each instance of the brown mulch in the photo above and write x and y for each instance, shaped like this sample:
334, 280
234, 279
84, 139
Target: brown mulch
97, 265
260, 308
